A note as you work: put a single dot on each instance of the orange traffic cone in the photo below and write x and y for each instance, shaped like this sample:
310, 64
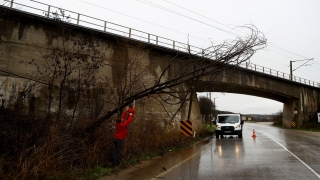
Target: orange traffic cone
254, 134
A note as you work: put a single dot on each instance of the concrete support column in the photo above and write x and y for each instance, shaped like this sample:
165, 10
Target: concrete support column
195, 114
289, 115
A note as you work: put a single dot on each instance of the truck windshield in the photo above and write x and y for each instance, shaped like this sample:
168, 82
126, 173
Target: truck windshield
228, 119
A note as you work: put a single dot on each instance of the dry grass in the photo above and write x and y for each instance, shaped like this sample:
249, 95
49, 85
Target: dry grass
277, 118
35, 148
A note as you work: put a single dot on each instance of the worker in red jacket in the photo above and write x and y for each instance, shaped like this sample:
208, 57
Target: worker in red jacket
121, 132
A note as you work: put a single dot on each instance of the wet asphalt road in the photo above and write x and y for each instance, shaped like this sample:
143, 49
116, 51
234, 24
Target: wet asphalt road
274, 154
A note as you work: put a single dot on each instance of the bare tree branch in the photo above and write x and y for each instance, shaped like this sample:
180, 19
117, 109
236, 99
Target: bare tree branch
213, 61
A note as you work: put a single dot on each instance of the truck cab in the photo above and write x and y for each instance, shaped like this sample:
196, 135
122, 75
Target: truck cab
229, 124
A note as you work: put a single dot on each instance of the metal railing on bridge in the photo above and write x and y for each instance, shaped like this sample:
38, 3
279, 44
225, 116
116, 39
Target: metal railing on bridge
85, 21
279, 74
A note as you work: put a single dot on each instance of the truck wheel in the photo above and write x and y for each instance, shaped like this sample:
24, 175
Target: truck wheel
240, 135
217, 136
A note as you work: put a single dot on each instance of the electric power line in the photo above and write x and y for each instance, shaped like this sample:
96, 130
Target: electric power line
174, 12
185, 16
144, 20
166, 9
204, 16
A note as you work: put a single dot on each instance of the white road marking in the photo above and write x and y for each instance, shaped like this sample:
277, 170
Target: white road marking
175, 166
179, 164
305, 164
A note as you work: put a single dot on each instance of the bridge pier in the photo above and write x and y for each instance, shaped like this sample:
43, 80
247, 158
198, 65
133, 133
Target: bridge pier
290, 113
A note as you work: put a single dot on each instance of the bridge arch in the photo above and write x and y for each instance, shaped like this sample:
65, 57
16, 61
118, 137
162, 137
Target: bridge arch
296, 98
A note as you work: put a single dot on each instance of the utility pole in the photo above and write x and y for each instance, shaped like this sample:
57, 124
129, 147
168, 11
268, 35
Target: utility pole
214, 103
214, 109
304, 64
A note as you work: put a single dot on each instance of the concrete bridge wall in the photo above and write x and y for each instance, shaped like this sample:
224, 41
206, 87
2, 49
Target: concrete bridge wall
29, 37
300, 102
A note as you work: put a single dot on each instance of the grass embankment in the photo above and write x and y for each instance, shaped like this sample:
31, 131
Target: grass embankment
183, 142
35, 147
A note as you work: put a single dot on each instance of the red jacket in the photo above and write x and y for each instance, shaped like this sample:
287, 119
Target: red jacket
122, 127
125, 114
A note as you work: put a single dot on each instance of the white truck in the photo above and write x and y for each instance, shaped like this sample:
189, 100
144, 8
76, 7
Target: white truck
229, 124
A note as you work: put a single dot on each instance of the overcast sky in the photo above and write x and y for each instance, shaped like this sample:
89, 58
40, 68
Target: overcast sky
292, 29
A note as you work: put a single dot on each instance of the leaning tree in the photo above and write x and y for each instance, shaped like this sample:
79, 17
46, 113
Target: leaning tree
179, 70
73, 74
70, 73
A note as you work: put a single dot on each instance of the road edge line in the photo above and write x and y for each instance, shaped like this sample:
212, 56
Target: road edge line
305, 164
175, 166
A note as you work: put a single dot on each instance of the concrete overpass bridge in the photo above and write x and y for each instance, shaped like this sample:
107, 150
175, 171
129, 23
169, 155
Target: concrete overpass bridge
301, 97
298, 99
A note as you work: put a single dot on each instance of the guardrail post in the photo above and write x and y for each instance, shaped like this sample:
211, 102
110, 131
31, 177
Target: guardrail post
49, 6
263, 69
283, 75
105, 26
255, 67
11, 4
148, 38
270, 72
173, 44
156, 40
129, 32
277, 73
78, 19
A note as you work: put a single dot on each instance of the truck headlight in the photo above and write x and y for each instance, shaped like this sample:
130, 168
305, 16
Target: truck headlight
237, 126
218, 127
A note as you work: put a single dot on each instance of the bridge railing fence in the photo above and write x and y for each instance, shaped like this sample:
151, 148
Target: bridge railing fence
105, 26
71, 17
272, 72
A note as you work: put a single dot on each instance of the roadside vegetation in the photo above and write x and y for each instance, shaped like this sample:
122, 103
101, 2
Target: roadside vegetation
277, 119
57, 119
29, 147
209, 128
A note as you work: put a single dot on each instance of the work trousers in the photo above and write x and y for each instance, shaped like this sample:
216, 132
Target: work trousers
118, 145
